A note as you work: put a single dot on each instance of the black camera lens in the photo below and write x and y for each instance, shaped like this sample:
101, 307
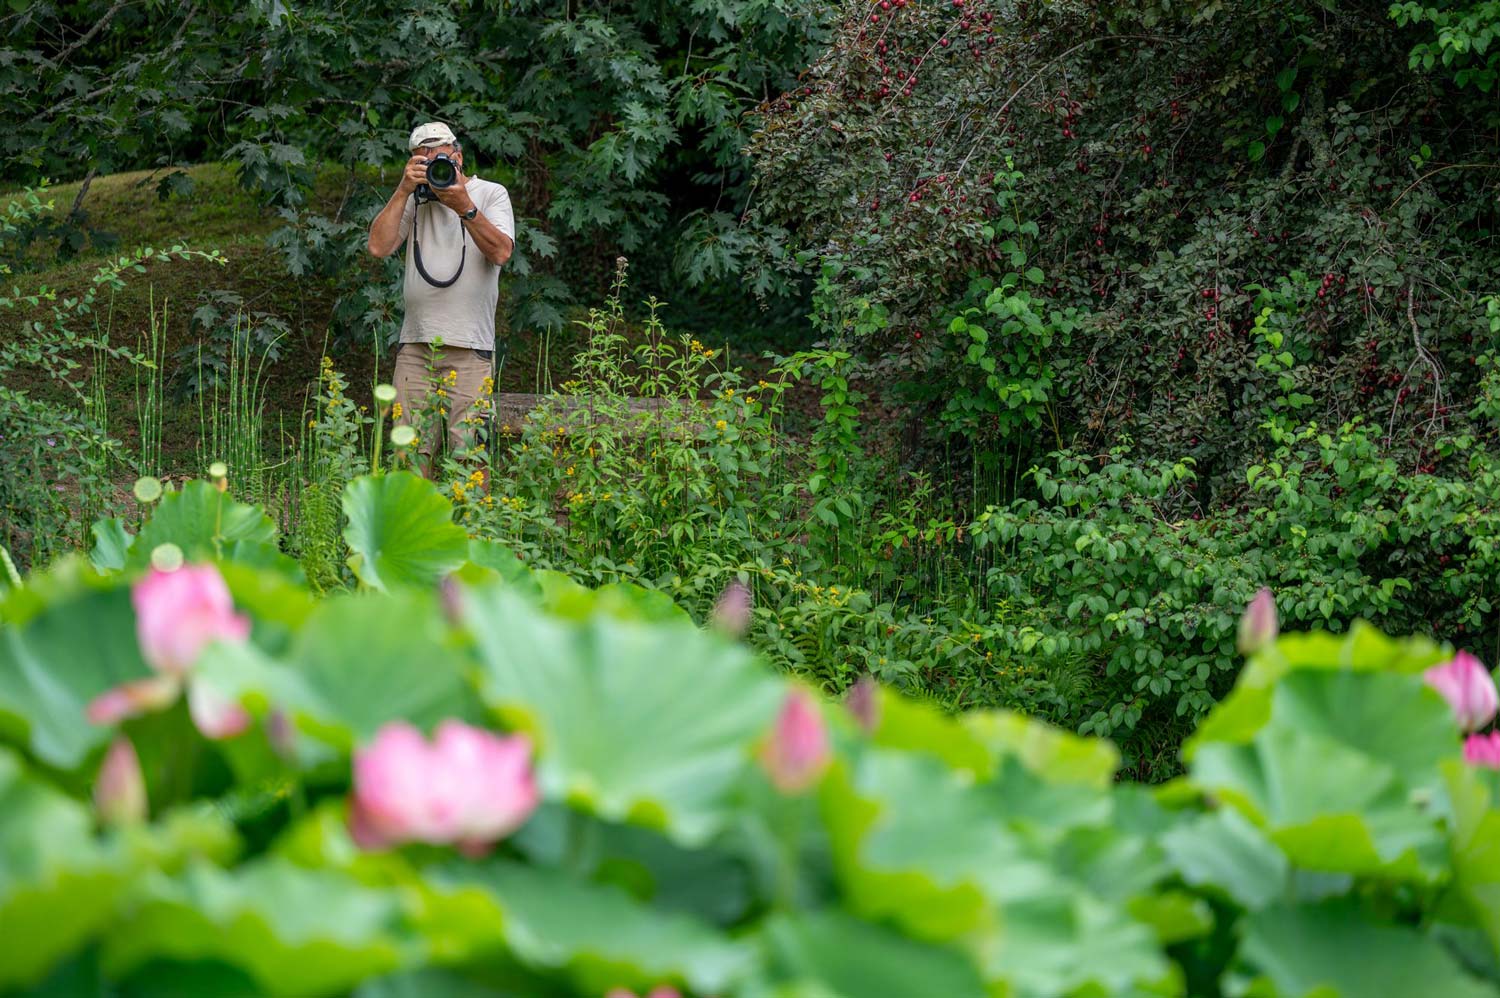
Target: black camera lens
441, 171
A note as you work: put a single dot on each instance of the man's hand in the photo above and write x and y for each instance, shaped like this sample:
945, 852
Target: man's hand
414, 174
456, 195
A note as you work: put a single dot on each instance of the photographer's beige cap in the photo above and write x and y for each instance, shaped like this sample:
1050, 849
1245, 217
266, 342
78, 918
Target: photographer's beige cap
434, 133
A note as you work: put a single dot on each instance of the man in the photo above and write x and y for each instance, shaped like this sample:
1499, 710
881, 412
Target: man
456, 246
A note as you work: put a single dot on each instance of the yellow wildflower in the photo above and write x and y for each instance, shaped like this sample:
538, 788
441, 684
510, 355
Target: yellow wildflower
312, 424
570, 471
396, 411
721, 425
450, 378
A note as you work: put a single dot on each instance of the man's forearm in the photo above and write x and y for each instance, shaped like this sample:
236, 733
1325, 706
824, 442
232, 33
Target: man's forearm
385, 231
494, 244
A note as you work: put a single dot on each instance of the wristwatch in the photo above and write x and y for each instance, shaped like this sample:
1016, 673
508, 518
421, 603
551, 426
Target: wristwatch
468, 216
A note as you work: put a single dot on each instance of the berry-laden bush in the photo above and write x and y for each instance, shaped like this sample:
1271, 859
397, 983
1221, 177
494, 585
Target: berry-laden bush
1155, 168
469, 779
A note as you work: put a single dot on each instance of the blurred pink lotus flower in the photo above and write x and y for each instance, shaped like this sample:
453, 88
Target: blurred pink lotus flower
797, 752
120, 791
177, 614
657, 992
468, 788
1468, 687
732, 610
1483, 750
863, 703
1258, 626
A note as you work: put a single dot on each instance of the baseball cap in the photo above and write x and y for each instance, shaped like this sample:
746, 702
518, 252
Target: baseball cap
434, 133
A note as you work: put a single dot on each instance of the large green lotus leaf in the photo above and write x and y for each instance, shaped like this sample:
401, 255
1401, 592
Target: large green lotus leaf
648, 723
1475, 794
596, 933
914, 726
1363, 649
359, 662
58, 886
1344, 773
204, 522
277, 604
69, 652
1336, 950
400, 531
926, 848
1224, 852
564, 597
1072, 944
1058, 756
296, 931
111, 544
431, 982
832, 955
490, 560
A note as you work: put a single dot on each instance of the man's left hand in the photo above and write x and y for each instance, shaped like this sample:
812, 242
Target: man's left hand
456, 195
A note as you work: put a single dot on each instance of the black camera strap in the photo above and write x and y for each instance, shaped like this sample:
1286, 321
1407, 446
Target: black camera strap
416, 247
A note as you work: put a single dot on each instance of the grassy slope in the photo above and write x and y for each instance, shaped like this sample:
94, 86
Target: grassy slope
217, 215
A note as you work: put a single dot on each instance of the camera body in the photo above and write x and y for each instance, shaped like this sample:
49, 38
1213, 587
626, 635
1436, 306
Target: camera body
442, 173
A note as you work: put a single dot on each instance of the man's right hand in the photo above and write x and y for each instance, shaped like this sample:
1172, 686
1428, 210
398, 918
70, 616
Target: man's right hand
414, 174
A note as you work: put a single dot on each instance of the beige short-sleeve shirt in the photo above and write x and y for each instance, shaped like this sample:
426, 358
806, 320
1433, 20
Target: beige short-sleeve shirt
462, 314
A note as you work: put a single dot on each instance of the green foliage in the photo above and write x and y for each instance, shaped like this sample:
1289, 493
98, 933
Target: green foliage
1153, 168
60, 454
1464, 33
1327, 834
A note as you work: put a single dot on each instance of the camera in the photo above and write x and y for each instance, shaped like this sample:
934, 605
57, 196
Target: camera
442, 173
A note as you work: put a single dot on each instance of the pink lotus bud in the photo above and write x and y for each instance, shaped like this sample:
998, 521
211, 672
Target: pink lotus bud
179, 612
281, 734
863, 703
732, 611
1258, 626
661, 991
215, 715
120, 792
1468, 687
797, 752
133, 699
469, 788
1483, 750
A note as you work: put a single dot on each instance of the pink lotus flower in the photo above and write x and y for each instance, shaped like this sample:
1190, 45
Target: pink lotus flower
1468, 687
120, 791
732, 610
863, 703
177, 614
1483, 750
468, 788
662, 991
797, 752
1258, 626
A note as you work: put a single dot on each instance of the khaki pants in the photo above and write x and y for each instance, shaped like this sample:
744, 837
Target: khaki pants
454, 381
